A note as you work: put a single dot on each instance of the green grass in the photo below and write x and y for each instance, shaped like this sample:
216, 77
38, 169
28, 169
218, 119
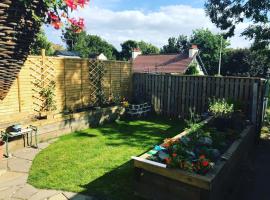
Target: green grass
97, 161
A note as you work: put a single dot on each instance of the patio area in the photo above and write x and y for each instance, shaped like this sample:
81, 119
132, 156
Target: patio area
14, 174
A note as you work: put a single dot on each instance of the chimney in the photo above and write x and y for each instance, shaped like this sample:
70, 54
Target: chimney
193, 51
135, 53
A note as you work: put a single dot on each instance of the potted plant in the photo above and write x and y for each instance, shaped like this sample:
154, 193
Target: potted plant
49, 103
222, 112
20, 21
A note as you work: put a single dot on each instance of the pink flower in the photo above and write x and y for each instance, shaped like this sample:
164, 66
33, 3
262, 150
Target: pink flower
71, 4
78, 24
53, 16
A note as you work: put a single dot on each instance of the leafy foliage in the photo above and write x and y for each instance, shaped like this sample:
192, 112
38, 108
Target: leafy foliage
89, 44
48, 95
41, 42
176, 45
209, 45
127, 48
245, 62
147, 48
227, 14
192, 69
220, 108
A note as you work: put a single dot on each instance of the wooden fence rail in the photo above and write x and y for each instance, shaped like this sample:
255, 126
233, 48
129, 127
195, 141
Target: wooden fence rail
174, 95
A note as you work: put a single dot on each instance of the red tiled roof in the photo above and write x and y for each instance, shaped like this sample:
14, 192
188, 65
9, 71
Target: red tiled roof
172, 63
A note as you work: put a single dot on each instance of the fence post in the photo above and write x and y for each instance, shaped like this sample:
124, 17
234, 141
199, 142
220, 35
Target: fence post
254, 103
169, 94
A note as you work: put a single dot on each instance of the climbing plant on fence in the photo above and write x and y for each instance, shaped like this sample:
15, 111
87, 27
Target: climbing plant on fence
96, 77
43, 79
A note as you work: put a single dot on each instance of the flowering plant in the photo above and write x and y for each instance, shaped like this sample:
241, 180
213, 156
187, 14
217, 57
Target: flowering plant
57, 13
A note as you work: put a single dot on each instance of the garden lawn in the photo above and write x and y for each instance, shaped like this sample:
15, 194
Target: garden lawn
98, 161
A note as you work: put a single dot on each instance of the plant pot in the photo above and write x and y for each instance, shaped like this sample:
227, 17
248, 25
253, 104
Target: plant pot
18, 32
2, 143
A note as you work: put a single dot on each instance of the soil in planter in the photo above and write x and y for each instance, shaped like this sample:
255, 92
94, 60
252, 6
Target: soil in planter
200, 149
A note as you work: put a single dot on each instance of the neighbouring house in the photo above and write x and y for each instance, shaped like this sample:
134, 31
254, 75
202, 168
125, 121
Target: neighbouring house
98, 56
169, 63
67, 54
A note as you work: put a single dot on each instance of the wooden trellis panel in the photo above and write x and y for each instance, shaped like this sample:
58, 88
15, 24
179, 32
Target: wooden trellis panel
42, 72
96, 77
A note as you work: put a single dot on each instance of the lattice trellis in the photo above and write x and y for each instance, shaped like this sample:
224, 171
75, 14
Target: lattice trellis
97, 70
43, 76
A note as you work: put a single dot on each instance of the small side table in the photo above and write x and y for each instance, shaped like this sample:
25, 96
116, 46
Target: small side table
24, 133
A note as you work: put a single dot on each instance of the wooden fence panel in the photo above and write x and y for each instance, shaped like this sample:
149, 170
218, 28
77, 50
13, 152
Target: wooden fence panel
72, 85
174, 95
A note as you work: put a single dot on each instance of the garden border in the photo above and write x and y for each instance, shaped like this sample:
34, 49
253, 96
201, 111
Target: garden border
154, 181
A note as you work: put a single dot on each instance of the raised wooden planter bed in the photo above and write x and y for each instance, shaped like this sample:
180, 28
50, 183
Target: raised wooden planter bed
154, 180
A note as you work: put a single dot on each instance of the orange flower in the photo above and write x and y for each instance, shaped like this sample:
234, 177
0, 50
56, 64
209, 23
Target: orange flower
168, 160
174, 154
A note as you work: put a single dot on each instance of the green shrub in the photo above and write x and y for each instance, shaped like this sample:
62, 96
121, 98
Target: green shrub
192, 69
220, 108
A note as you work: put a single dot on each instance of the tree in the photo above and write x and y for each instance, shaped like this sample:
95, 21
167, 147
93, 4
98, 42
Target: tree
245, 62
209, 45
176, 45
129, 45
226, 14
236, 62
127, 48
147, 48
41, 42
89, 44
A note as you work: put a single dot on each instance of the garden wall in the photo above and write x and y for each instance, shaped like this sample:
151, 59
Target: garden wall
73, 89
173, 95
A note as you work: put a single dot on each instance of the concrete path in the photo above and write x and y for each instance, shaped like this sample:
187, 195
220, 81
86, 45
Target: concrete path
13, 179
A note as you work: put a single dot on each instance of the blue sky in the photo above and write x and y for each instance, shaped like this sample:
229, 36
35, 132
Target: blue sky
118, 5
153, 21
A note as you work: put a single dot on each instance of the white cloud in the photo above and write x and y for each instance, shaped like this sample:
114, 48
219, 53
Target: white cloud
152, 26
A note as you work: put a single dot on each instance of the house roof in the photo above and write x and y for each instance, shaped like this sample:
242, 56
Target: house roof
67, 53
170, 63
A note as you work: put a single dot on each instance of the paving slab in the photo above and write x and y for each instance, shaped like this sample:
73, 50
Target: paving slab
58, 197
19, 165
76, 196
26, 153
12, 179
44, 194
43, 145
26, 192
3, 166
7, 192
